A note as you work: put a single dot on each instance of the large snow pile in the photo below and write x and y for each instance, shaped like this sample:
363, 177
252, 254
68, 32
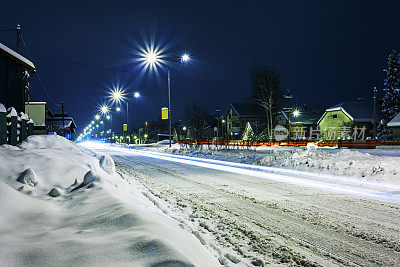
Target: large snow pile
63, 205
375, 164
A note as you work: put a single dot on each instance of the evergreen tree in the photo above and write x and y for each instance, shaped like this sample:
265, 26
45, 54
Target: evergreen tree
391, 98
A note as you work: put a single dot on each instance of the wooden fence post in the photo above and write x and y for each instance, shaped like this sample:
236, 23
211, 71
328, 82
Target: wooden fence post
23, 127
3, 124
12, 121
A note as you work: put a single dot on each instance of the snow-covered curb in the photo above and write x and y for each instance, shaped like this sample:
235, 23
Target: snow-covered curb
63, 205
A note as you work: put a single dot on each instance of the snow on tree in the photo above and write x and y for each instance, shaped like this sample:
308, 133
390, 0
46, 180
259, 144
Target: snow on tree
391, 98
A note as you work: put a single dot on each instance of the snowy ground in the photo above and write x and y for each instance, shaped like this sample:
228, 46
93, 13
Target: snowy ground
253, 215
64, 204
61, 205
382, 164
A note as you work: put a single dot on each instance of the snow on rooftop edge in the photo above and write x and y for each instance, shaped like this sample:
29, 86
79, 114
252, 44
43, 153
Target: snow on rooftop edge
16, 56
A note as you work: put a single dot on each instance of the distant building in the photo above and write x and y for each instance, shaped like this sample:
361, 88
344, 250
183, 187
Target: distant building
60, 124
301, 122
14, 76
352, 120
394, 124
239, 114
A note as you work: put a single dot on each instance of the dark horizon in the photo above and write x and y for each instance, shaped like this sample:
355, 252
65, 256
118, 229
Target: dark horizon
325, 53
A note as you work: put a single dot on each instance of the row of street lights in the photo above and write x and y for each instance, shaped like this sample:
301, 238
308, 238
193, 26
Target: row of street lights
151, 58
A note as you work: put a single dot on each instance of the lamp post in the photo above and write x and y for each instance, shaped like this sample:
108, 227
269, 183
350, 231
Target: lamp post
118, 96
154, 58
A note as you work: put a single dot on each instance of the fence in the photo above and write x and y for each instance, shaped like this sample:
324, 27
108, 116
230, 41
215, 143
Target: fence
14, 128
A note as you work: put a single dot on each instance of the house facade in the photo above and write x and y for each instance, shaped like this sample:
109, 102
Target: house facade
394, 124
352, 120
300, 122
14, 78
238, 115
60, 124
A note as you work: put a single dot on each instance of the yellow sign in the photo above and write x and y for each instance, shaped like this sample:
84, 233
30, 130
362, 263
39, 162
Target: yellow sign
164, 113
125, 127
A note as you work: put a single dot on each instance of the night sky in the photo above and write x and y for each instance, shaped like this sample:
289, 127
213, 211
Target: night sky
324, 52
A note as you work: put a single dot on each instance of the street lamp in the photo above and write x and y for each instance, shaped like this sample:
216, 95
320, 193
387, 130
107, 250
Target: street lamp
104, 109
185, 57
97, 117
118, 109
153, 58
296, 113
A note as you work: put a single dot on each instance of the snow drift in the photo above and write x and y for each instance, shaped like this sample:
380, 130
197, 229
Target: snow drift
375, 164
63, 205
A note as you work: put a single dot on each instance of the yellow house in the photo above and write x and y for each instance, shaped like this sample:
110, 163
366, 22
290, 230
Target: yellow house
352, 120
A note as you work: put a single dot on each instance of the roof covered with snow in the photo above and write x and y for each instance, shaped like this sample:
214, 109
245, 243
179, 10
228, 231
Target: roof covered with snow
395, 122
358, 111
308, 115
68, 122
17, 57
248, 110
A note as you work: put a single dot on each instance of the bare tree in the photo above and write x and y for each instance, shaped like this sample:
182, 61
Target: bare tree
265, 86
198, 119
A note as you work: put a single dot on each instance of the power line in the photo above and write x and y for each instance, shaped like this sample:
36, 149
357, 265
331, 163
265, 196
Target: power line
132, 72
178, 78
38, 76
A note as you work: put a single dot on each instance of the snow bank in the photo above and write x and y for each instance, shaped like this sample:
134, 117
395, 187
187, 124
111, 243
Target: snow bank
48, 142
375, 164
81, 212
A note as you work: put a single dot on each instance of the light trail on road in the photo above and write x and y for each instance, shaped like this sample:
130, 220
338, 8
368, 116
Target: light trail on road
298, 178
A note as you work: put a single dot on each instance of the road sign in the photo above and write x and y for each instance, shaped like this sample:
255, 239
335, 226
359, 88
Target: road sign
125, 127
164, 113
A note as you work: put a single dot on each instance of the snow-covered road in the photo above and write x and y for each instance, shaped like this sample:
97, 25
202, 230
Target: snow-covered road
253, 214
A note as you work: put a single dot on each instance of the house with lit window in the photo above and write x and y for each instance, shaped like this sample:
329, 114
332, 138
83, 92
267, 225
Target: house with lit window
349, 120
238, 115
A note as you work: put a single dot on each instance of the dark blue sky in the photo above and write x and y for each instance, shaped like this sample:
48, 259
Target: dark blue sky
325, 51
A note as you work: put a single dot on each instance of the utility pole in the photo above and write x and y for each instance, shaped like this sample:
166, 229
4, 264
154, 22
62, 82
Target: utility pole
18, 39
375, 90
62, 114
169, 107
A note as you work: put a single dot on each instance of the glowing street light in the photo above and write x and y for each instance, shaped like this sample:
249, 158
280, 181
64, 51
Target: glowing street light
185, 57
152, 58
117, 95
97, 117
118, 109
136, 95
104, 109
296, 113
